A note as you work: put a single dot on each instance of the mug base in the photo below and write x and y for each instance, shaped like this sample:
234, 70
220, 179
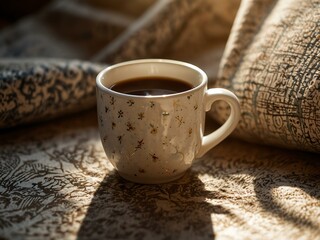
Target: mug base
140, 180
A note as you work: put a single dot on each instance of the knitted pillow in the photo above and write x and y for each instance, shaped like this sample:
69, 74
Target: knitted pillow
272, 63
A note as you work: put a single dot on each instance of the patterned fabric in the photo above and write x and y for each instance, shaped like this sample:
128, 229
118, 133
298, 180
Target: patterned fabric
98, 33
56, 183
32, 90
273, 66
55, 179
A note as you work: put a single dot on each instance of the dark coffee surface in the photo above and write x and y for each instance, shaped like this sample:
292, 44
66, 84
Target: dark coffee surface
151, 86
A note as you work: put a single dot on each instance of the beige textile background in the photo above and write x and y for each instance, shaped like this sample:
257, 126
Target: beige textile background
55, 180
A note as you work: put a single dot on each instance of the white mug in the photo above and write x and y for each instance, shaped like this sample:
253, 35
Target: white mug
155, 139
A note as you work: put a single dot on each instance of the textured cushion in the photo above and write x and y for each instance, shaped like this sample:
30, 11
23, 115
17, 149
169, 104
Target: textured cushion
272, 63
35, 89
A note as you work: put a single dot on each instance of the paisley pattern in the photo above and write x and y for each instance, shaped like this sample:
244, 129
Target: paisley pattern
56, 183
37, 90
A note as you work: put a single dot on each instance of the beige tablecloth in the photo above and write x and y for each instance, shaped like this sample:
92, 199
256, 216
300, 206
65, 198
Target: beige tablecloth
56, 183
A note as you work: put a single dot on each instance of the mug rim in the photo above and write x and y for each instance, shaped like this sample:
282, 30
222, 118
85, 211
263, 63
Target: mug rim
204, 77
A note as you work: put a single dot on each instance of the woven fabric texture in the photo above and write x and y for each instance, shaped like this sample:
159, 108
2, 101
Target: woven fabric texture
272, 63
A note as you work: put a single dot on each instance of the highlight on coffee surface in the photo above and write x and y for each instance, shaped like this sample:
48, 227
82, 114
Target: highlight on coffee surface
151, 86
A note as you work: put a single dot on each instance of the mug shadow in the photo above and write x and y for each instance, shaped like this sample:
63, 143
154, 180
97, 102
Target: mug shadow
183, 209
125, 210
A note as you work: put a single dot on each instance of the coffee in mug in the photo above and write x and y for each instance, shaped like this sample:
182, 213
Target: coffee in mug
151, 115
151, 86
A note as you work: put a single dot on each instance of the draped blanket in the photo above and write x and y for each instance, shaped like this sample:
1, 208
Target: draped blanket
50, 60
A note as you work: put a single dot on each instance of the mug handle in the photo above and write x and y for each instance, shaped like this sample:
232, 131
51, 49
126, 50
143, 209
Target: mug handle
214, 138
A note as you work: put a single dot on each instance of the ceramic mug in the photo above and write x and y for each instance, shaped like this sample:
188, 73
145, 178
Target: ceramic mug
155, 139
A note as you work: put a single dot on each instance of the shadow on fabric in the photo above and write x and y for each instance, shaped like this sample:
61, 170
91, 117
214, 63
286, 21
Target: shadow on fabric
282, 189
125, 210
283, 184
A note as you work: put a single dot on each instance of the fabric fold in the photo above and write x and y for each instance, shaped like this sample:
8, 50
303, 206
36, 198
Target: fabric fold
38, 89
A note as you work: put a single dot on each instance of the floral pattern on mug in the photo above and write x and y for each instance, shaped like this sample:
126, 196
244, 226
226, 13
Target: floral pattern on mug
154, 139
149, 134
